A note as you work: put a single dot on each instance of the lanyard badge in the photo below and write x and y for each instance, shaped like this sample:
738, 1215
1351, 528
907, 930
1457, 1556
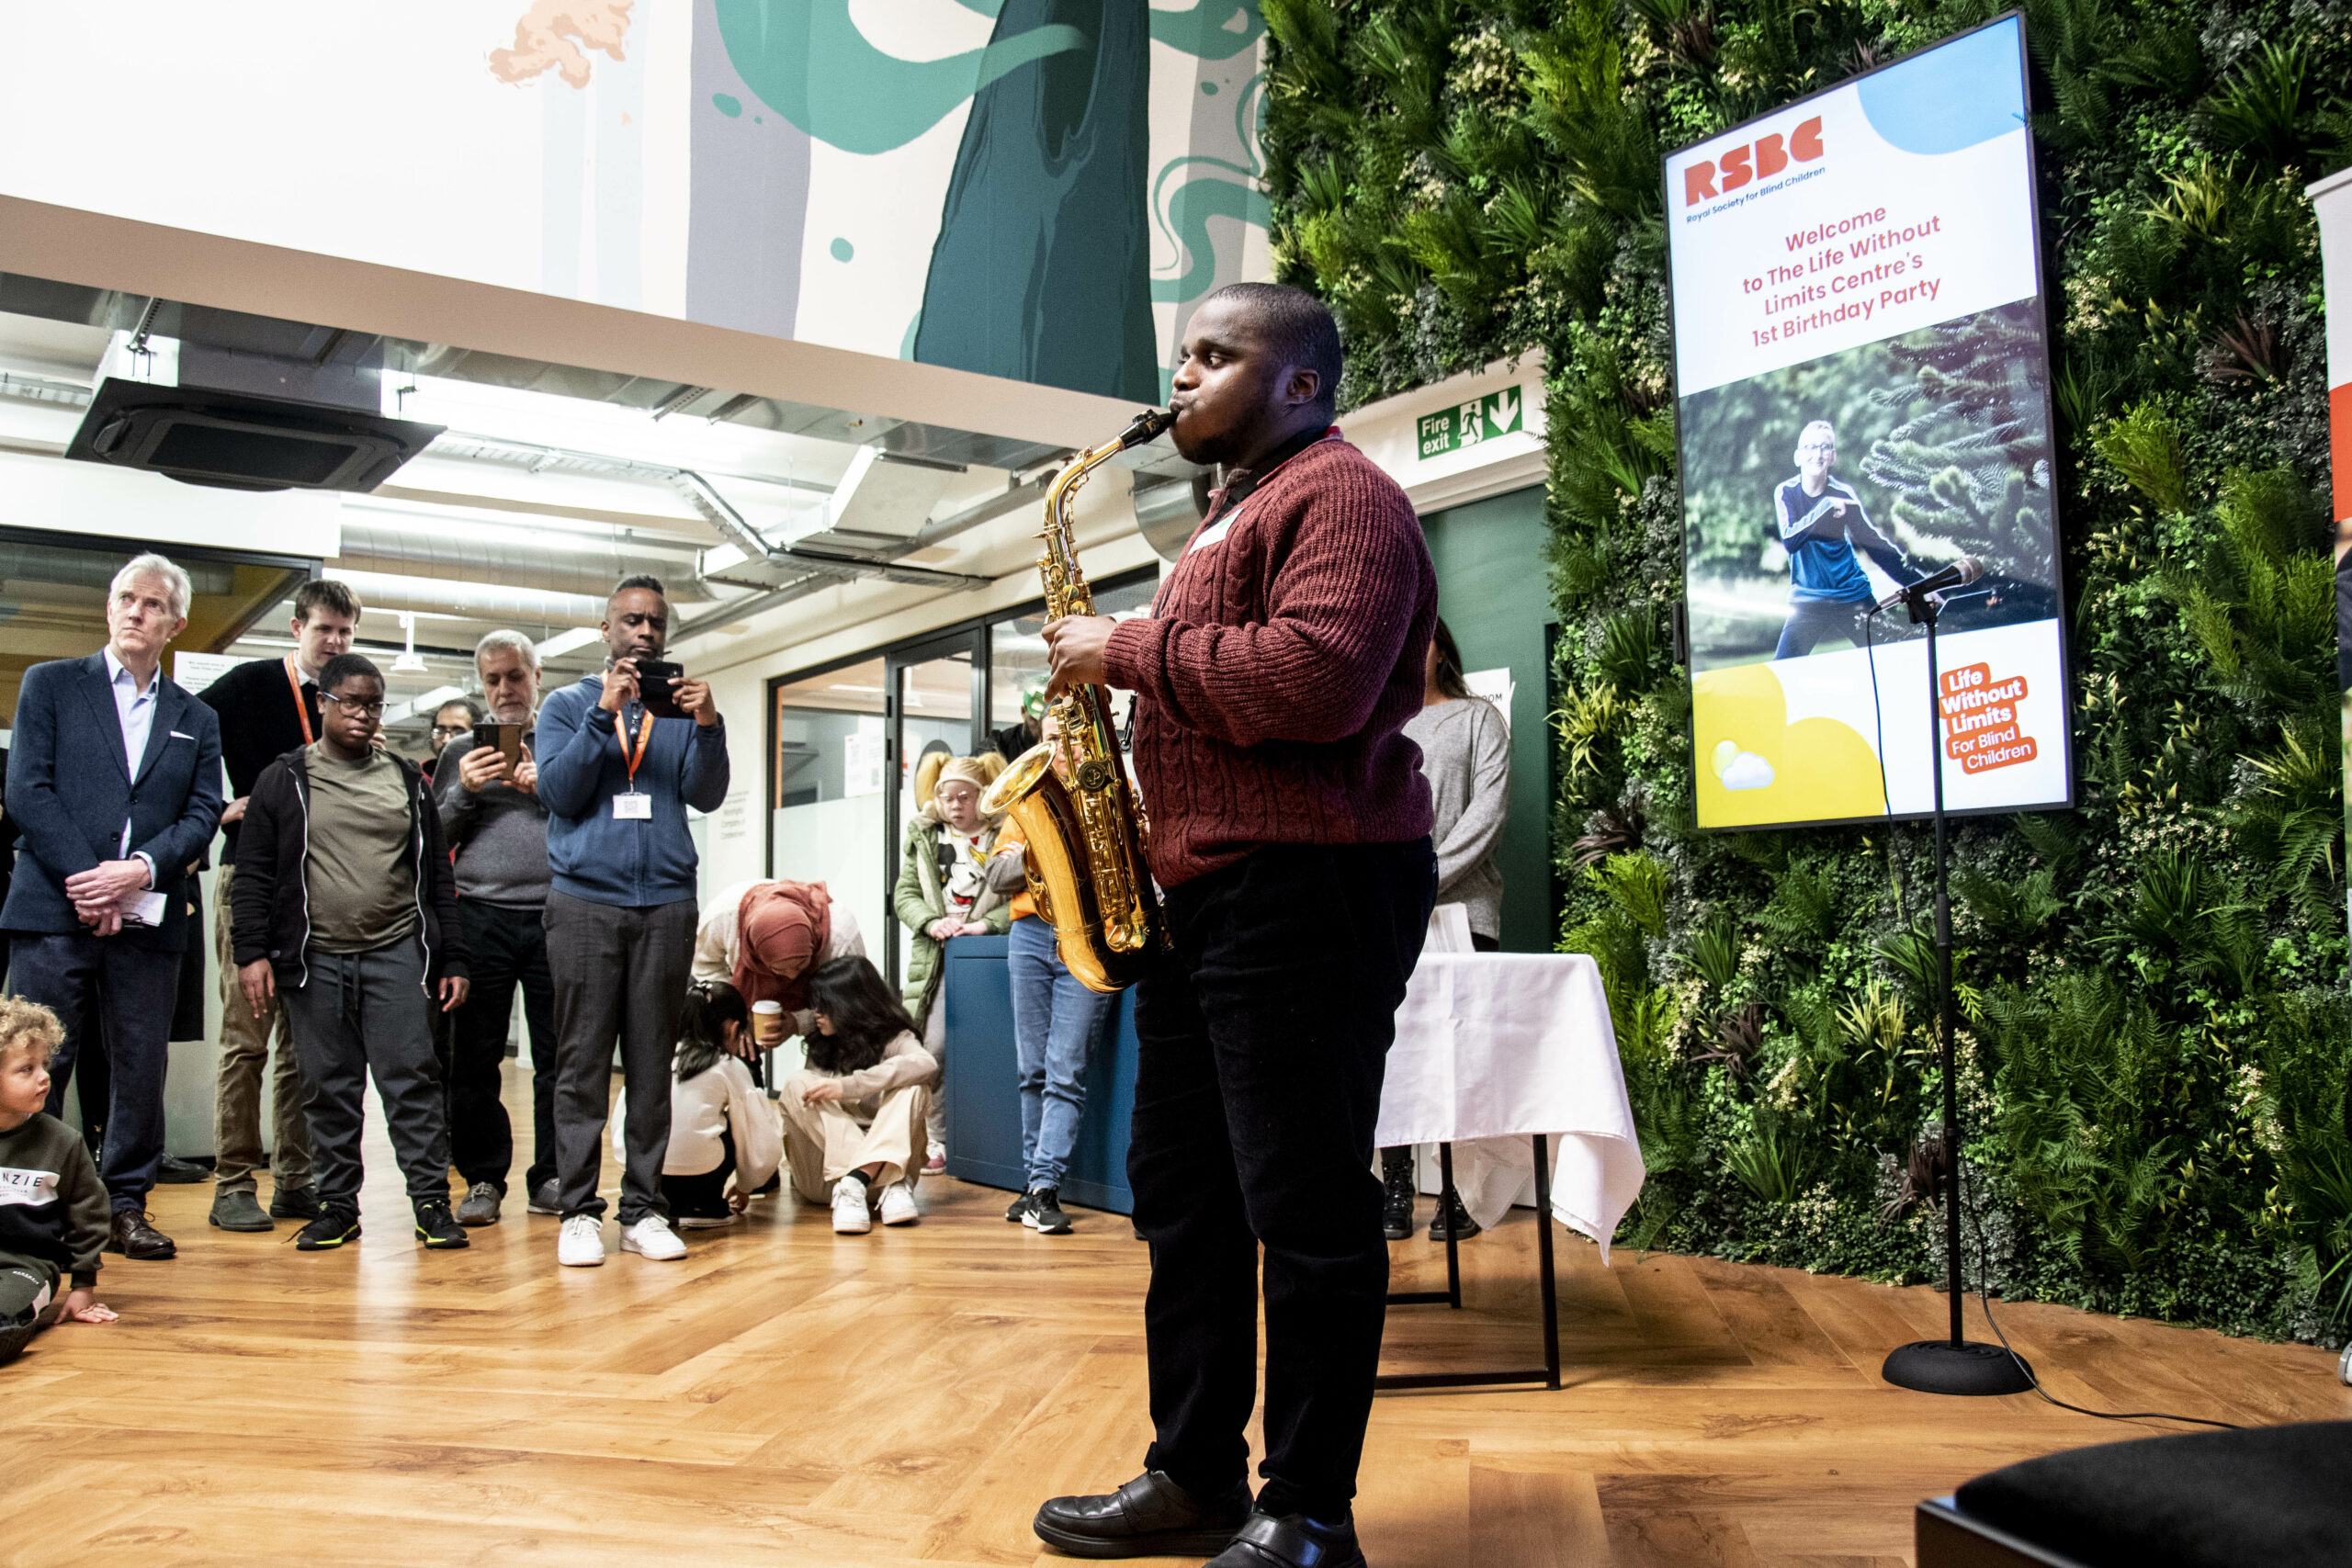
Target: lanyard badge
301, 708
629, 806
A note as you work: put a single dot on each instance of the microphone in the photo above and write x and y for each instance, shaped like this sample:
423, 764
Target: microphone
1959, 574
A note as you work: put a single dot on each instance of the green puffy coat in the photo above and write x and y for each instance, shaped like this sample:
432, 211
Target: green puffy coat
920, 898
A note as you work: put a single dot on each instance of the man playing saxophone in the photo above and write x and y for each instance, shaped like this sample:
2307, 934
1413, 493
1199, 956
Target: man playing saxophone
1290, 831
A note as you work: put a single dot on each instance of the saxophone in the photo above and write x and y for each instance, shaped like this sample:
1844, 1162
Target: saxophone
1084, 825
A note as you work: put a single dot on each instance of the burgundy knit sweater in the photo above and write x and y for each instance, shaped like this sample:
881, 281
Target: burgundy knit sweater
1276, 670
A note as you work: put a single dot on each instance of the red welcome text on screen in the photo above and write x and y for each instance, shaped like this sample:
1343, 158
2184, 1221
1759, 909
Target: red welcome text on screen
1761, 159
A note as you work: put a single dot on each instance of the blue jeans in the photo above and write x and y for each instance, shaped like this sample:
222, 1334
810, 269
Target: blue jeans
1055, 1021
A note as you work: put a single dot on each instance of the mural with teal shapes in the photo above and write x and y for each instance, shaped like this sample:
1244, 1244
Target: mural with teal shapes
1072, 231
1035, 189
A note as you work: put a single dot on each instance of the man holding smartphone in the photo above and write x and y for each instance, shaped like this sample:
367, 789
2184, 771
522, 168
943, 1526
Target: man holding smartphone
617, 778
487, 792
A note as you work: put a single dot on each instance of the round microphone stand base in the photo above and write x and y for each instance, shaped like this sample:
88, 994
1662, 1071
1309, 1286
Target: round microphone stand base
1966, 1367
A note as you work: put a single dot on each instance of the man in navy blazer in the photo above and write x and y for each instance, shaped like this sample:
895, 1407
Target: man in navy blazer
114, 783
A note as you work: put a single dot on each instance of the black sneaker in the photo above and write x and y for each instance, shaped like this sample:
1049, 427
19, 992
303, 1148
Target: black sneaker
1018, 1213
1044, 1215
438, 1228
328, 1231
1398, 1193
1465, 1228
295, 1204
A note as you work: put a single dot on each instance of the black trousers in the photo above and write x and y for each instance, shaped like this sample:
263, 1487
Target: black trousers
620, 974
1264, 1037
702, 1197
509, 948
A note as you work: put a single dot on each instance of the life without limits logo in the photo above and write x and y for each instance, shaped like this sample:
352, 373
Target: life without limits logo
1761, 159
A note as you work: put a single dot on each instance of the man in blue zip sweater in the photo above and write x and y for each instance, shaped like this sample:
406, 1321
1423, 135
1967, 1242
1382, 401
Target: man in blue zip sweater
620, 915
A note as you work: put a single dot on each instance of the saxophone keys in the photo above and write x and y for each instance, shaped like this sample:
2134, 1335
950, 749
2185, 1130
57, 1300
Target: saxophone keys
1094, 775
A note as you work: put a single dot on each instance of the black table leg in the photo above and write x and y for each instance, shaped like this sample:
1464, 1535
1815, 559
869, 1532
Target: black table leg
1544, 1254
1451, 1294
1446, 1202
1549, 1374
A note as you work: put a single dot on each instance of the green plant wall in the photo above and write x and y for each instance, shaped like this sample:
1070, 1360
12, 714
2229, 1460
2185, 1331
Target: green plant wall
2155, 1035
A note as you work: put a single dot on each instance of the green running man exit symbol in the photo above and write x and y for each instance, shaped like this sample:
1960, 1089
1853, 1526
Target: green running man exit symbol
1480, 419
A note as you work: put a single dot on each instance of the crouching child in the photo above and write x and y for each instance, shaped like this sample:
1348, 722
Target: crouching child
53, 1208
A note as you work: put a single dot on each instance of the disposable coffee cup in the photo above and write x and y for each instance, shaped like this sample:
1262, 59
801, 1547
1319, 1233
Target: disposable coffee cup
768, 1024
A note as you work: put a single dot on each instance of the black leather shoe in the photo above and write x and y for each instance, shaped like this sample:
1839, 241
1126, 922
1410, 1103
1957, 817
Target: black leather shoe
135, 1238
294, 1204
171, 1172
1291, 1541
1150, 1517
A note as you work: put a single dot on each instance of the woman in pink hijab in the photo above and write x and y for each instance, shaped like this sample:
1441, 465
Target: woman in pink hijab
764, 937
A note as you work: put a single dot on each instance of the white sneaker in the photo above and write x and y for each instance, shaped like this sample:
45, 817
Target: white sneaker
935, 1160
851, 1217
898, 1204
582, 1243
653, 1239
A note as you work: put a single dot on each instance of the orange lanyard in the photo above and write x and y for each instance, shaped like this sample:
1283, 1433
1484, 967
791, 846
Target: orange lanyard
301, 708
644, 739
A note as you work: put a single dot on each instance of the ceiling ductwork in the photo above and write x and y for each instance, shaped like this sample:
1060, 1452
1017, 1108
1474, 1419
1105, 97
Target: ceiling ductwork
1168, 514
552, 560
485, 601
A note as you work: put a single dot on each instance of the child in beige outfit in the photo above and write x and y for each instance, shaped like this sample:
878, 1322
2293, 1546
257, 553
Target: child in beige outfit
854, 1116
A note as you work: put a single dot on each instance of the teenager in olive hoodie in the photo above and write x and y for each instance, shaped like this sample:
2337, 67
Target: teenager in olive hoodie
345, 904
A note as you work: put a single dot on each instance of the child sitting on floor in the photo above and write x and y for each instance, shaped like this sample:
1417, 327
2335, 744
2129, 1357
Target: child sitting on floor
720, 1124
854, 1116
53, 1212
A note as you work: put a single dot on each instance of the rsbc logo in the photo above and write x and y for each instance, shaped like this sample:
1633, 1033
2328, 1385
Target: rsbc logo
1766, 157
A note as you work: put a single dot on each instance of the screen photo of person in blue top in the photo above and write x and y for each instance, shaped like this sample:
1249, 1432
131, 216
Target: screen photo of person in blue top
1819, 522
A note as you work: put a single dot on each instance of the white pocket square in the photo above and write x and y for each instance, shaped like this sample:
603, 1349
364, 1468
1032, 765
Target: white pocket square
177, 735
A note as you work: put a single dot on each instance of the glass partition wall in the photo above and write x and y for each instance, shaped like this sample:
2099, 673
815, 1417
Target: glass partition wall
846, 739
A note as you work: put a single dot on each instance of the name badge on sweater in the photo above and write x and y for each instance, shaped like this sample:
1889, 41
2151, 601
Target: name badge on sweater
633, 807
1214, 536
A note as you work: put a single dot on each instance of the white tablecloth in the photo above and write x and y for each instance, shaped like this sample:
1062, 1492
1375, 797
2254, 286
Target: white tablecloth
1495, 1047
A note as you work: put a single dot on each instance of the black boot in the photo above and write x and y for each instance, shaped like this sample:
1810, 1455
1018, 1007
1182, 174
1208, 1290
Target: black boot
1449, 1207
1397, 1180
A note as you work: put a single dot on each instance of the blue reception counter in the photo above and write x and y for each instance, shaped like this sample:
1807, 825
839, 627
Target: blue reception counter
984, 1086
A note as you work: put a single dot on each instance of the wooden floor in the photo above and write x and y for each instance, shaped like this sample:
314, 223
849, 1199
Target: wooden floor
786, 1396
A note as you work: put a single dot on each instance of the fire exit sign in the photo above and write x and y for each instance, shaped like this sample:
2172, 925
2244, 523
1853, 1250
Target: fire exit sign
1469, 423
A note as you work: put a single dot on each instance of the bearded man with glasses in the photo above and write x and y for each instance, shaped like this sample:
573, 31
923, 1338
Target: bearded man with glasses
345, 904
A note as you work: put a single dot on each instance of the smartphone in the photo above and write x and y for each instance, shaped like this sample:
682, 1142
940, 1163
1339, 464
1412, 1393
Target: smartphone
508, 739
657, 687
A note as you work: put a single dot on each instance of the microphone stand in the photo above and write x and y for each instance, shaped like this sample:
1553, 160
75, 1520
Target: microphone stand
1957, 1365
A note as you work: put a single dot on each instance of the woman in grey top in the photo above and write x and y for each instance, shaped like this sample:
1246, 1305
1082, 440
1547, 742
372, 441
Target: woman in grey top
1465, 754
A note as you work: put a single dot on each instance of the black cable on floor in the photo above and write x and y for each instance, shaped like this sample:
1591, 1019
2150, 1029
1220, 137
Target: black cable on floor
1985, 1300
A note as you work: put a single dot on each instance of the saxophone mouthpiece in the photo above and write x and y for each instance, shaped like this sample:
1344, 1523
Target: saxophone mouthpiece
1148, 426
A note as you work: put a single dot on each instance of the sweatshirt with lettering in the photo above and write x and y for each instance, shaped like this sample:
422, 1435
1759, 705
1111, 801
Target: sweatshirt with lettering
53, 1205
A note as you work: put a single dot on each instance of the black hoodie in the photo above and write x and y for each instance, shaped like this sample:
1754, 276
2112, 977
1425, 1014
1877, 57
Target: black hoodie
271, 923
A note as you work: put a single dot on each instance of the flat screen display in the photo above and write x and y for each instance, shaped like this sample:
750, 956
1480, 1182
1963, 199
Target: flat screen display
1862, 384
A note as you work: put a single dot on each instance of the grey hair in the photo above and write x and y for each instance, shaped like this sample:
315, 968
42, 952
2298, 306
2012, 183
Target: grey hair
153, 565
493, 641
